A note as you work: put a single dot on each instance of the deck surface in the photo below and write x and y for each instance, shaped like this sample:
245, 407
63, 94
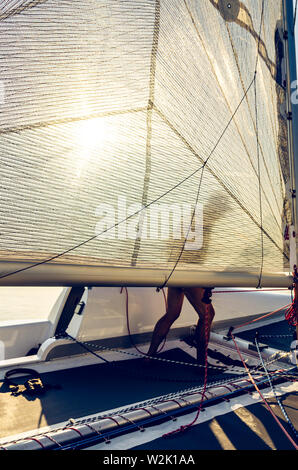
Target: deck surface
249, 428
93, 389
97, 388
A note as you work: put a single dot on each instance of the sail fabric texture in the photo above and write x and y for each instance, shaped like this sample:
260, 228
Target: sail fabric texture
108, 106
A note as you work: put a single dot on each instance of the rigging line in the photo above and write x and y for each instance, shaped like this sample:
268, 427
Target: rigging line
189, 425
59, 255
259, 286
128, 323
262, 396
158, 359
220, 181
295, 16
259, 37
247, 24
205, 163
18, 10
229, 122
262, 317
86, 345
250, 113
273, 389
52, 258
88, 349
228, 105
189, 228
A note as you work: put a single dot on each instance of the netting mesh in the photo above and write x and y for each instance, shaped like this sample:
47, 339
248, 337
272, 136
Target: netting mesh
109, 105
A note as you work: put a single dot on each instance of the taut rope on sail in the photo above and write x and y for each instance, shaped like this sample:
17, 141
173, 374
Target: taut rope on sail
111, 111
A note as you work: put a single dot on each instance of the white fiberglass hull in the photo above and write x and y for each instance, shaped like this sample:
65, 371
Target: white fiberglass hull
29, 315
106, 312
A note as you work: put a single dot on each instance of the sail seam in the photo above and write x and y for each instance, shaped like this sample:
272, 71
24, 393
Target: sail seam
19, 10
149, 129
250, 112
258, 159
188, 230
218, 179
150, 108
57, 122
258, 153
248, 27
229, 107
59, 255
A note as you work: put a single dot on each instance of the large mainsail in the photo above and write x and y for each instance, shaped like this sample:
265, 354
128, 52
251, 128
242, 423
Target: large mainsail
127, 126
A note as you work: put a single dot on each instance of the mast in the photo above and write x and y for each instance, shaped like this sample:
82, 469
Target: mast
292, 111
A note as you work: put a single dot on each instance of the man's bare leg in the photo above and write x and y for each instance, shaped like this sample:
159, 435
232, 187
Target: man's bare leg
174, 305
203, 333
206, 314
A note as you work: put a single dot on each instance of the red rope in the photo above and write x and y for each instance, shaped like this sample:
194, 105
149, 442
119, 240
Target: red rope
74, 429
36, 440
187, 426
128, 325
248, 291
113, 419
145, 409
263, 316
52, 439
291, 314
261, 395
175, 401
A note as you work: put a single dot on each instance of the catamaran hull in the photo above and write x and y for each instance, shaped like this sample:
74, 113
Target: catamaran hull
29, 316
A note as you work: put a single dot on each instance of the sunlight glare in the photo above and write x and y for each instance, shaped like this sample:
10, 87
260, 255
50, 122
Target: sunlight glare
91, 136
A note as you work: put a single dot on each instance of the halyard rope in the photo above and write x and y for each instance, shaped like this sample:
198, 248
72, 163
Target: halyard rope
84, 242
263, 398
273, 390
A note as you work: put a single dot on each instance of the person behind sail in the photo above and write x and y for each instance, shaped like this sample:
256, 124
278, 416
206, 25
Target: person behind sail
200, 299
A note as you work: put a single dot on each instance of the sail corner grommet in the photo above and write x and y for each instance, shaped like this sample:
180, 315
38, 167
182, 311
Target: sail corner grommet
229, 9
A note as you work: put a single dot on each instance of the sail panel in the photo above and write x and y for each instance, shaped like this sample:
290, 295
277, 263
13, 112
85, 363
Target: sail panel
133, 136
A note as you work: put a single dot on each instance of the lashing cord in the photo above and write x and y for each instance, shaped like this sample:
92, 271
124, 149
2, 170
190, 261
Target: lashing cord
290, 316
292, 312
262, 396
273, 389
186, 427
203, 394
189, 425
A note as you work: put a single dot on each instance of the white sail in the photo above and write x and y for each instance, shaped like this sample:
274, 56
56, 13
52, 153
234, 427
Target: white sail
109, 106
